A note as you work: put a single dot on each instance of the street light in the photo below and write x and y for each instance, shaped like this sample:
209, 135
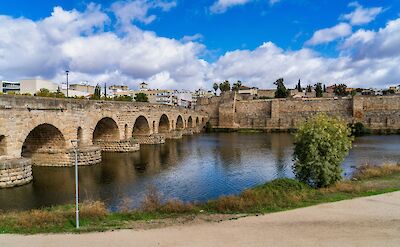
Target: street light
75, 143
67, 72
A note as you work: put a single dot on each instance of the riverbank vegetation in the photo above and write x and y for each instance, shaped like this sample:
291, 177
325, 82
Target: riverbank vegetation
277, 195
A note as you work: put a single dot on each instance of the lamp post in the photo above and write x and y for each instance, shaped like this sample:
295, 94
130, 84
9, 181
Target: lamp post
75, 143
67, 72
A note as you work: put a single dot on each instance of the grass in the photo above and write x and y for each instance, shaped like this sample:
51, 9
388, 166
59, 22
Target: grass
277, 195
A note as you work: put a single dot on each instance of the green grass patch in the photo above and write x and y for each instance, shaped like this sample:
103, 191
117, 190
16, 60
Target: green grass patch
274, 196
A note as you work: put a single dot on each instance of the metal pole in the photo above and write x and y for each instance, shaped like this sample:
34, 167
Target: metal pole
76, 184
67, 81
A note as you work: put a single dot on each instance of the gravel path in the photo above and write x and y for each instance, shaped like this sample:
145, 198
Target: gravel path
369, 221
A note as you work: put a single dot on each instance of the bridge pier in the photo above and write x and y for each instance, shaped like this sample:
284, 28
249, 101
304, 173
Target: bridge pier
122, 146
150, 139
15, 172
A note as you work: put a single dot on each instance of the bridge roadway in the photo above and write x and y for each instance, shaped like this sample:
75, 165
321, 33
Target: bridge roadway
38, 131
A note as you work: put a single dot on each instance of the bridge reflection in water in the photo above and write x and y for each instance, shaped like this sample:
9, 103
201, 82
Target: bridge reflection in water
195, 168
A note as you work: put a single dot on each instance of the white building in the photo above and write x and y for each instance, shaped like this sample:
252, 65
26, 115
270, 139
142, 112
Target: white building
9, 87
32, 86
184, 99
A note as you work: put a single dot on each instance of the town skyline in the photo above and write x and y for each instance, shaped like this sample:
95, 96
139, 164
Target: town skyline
125, 42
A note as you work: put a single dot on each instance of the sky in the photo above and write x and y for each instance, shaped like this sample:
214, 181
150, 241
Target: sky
182, 44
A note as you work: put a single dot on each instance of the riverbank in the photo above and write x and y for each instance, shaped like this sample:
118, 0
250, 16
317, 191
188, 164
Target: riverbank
367, 221
278, 195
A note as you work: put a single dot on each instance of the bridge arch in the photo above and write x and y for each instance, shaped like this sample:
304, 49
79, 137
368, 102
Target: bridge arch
106, 130
190, 122
179, 123
141, 126
197, 122
43, 137
163, 125
3, 145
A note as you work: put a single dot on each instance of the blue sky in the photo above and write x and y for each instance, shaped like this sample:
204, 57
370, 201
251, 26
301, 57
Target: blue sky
229, 39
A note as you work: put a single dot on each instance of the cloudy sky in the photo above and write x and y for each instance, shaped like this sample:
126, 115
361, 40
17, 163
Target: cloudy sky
186, 44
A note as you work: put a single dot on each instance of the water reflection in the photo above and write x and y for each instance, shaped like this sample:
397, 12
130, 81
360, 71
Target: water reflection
195, 168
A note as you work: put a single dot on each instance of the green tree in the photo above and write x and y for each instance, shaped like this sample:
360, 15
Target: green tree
321, 144
340, 90
236, 86
281, 91
141, 97
225, 86
215, 87
124, 98
43, 92
309, 89
299, 89
97, 93
318, 90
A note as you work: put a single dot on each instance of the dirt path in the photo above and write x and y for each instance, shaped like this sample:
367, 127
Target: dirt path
370, 221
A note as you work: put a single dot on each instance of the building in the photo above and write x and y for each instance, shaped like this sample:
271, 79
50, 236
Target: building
201, 93
252, 91
85, 88
9, 87
32, 86
184, 99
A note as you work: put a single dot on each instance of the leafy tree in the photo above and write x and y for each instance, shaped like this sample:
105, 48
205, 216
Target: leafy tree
43, 92
299, 89
281, 91
215, 87
321, 144
225, 86
340, 90
236, 86
141, 97
97, 93
318, 90
124, 98
309, 89
58, 94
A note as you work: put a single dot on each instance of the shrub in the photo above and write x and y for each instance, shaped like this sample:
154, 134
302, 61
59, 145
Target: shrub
358, 129
321, 144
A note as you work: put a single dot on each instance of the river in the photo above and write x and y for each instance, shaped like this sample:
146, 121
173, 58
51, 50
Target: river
195, 168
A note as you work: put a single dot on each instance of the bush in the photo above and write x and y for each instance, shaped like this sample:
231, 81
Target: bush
358, 129
321, 144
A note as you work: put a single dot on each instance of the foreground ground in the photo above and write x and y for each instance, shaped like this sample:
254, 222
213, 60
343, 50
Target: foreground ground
368, 221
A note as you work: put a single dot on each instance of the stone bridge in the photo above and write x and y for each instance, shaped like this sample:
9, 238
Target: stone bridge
39, 131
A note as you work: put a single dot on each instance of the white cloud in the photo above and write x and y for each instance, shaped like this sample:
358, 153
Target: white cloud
361, 15
137, 10
327, 35
78, 41
220, 6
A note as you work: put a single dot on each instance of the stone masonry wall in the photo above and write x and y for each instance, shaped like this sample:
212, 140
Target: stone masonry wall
377, 113
15, 172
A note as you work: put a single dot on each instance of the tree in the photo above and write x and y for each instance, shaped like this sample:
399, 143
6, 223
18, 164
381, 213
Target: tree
281, 91
215, 87
299, 89
43, 92
225, 86
324, 88
236, 86
309, 89
123, 98
340, 90
141, 97
97, 93
321, 144
318, 90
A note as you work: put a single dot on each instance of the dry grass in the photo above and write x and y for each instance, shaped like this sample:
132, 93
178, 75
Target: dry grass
369, 171
152, 200
125, 205
345, 187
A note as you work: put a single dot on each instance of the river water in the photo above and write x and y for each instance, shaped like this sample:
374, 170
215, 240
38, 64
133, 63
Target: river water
195, 168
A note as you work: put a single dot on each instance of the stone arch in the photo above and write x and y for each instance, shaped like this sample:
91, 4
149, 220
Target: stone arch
106, 130
190, 122
154, 126
197, 122
3, 145
163, 125
41, 139
202, 120
141, 126
179, 123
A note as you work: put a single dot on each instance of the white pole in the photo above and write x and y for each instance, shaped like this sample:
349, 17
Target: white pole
76, 184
